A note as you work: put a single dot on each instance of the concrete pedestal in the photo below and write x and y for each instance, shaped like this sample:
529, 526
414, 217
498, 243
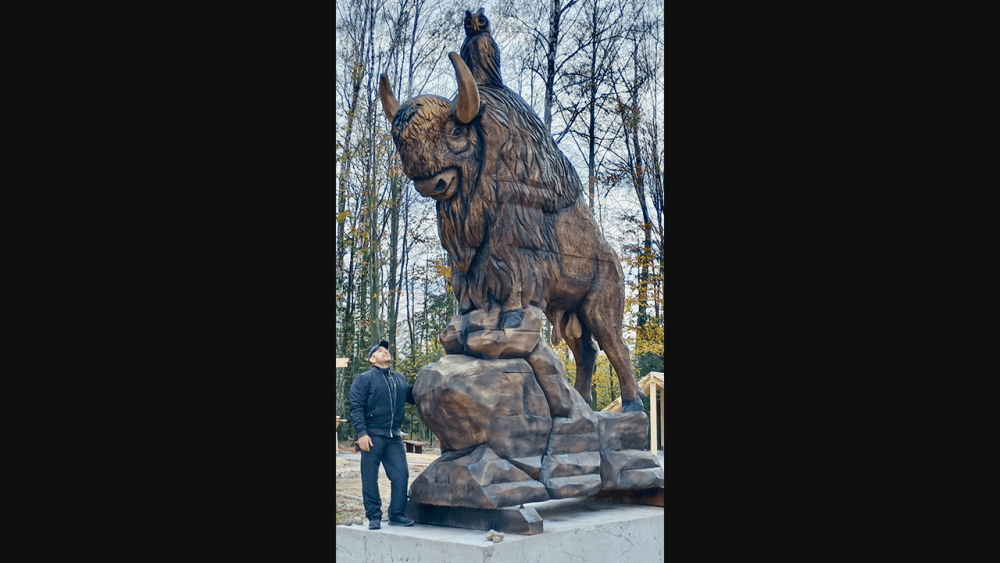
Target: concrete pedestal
576, 530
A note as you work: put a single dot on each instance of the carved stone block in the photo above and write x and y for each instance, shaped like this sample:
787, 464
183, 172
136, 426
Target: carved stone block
485, 342
524, 521
565, 465
453, 335
480, 319
635, 479
468, 402
575, 486
630, 469
578, 431
622, 431
572, 443
551, 377
530, 465
475, 478
571, 475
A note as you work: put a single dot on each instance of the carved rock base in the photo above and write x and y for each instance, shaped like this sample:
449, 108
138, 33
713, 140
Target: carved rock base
468, 401
512, 429
630, 469
523, 521
475, 479
651, 497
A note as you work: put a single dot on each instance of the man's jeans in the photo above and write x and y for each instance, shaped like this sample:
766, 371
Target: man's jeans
392, 455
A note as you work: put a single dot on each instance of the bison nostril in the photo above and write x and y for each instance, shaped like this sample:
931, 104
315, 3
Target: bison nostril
440, 186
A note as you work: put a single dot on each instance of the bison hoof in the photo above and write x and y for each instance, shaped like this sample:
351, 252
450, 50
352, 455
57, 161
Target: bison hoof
632, 406
511, 319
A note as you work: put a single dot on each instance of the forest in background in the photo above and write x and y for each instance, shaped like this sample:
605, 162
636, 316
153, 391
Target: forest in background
593, 72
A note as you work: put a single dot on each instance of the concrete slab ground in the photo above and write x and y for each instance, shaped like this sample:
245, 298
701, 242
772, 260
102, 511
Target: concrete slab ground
575, 530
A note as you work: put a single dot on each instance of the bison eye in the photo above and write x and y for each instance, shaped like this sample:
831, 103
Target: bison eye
457, 132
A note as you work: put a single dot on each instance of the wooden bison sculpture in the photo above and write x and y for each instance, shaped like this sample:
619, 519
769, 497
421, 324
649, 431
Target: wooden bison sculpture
513, 219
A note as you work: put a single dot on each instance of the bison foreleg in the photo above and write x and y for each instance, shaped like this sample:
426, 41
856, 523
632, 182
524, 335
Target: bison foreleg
512, 312
460, 286
511, 319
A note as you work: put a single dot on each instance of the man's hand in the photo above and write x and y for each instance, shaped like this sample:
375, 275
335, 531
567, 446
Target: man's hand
365, 443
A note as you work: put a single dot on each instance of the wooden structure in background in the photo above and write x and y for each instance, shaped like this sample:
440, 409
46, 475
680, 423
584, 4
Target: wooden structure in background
649, 385
341, 363
414, 447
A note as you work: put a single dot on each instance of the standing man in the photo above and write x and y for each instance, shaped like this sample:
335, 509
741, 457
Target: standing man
377, 399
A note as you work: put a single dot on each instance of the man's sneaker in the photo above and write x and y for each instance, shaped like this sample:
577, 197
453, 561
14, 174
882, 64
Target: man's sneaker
400, 521
375, 524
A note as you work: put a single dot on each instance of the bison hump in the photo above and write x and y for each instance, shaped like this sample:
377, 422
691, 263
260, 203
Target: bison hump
536, 178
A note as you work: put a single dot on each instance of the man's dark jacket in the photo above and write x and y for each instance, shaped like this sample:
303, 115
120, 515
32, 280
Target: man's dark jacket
372, 404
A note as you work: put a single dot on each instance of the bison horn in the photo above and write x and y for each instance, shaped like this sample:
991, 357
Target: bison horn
468, 93
389, 103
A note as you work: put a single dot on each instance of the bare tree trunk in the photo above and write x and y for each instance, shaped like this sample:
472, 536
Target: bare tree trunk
647, 240
408, 282
640, 192
598, 42
426, 326
592, 124
356, 68
405, 278
394, 182
345, 169
656, 191
418, 5
550, 57
630, 117
348, 219
555, 18
374, 328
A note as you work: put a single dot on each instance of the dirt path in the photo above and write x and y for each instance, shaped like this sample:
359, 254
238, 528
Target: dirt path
348, 483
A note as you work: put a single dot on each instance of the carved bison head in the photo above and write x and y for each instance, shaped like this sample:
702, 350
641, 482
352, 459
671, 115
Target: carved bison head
437, 138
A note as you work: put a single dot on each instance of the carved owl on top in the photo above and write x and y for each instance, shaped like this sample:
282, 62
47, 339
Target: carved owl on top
479, 51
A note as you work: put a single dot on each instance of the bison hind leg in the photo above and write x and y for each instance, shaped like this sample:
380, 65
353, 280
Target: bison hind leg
634, 406
607, 330
585, 353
